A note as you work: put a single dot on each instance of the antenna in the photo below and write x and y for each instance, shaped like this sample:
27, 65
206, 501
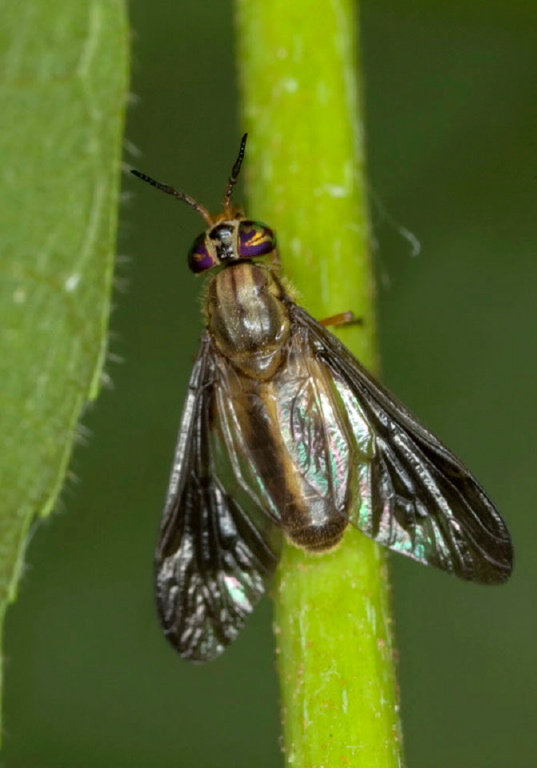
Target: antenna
181, 195
233, 178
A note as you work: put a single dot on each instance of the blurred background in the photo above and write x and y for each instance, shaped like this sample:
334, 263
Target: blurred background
451, 98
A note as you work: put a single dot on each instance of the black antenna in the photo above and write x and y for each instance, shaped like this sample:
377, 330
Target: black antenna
181, 195
234, 176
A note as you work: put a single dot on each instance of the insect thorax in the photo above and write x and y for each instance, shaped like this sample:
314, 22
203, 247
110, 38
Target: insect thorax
248, 318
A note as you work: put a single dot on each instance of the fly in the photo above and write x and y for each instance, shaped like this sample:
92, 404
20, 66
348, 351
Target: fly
285, 433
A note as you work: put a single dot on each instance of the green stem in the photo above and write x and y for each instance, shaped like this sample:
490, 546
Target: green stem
301, 98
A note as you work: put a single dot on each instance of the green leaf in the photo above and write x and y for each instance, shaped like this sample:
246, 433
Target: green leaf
62, 103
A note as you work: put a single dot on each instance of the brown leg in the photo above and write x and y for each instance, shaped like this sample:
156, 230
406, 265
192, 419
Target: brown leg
343, 318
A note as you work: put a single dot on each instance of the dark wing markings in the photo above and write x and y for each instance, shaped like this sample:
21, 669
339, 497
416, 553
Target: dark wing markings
417, 498
213, 555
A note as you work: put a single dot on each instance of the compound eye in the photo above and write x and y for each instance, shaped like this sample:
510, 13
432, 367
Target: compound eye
255, 239
199, 256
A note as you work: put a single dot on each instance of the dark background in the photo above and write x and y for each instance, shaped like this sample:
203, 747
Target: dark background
451, 96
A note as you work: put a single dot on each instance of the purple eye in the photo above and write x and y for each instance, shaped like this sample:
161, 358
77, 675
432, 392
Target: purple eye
199, 256
255, 239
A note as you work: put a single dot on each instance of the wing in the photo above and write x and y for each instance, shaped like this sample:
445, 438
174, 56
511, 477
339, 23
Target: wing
215, 551
416, 497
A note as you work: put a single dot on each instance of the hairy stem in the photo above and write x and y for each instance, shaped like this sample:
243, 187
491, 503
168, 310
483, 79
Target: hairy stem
300, 82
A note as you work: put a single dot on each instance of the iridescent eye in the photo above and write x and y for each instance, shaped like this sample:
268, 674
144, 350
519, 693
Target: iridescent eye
199, 256
255, 239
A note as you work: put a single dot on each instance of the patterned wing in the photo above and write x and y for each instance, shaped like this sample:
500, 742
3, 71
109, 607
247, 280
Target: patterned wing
416, 497
215, 550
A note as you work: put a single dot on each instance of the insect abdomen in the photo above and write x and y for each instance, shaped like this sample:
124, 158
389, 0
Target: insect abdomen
296, 445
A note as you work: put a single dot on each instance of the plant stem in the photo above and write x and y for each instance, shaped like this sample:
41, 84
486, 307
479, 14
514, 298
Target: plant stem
301, 98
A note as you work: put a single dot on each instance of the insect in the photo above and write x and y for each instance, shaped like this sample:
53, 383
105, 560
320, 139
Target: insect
285, 433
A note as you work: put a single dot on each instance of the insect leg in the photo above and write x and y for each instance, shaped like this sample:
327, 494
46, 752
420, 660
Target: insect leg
342, 318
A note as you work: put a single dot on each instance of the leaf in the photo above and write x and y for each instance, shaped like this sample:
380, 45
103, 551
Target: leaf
62, 103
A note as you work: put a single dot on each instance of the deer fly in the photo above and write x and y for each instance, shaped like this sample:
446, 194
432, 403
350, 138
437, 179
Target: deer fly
285, 433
